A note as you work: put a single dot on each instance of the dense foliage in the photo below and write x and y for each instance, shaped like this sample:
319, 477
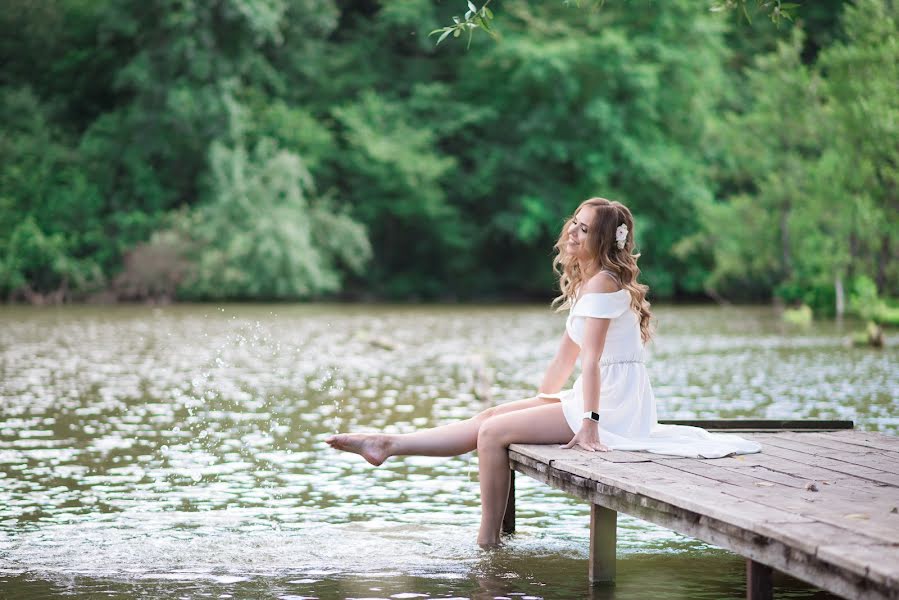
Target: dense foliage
290, 149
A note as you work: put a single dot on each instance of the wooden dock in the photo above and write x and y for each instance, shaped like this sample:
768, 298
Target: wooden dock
819, 504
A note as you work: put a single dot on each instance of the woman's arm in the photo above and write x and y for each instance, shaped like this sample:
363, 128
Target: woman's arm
594, 340
595, 330
560, 368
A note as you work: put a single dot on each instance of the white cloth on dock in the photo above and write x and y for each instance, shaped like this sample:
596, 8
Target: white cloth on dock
627, 408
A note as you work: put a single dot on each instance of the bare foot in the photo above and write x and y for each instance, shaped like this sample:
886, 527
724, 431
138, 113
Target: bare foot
373, 447
489, 544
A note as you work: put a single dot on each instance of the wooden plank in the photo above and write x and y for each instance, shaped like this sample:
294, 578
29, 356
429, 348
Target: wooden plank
544, 453
640, 505
773, 447
763, 424
866, 510
761, 476
509, 515
758, 505
769, 437
759, 581
754, 475
603, 535
751, 544
808, 537
621, 456
777, 466
834, 505
874, 459
820, 539
881, 561
785, 467
778, 469
868, 439
764, 473
682, 490
826, 441
667, 485
549, 453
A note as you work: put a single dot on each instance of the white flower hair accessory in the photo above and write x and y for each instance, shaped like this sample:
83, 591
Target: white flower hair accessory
621, 235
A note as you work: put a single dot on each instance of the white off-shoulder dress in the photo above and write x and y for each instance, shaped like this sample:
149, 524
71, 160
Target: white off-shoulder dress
627, 408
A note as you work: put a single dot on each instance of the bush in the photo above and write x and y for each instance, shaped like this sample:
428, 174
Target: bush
154, 270
263, 234
38, 267
821, 299
866, 303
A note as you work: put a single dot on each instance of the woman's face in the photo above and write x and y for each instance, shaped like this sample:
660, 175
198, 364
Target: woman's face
578, 230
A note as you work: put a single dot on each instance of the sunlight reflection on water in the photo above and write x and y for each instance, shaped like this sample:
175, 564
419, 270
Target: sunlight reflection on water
184, 444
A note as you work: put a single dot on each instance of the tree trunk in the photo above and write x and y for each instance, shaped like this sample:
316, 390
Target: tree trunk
853, 253
840, 294
883, 261
785, 241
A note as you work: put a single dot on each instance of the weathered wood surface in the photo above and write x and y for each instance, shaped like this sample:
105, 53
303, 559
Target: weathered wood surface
758, 581
603, 536
823, 507
509, 515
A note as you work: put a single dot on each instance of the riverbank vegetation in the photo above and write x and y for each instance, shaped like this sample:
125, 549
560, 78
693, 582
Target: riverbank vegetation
294, 149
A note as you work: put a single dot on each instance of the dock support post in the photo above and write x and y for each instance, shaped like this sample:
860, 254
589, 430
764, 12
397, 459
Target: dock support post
509, 515
758, 581
603, 535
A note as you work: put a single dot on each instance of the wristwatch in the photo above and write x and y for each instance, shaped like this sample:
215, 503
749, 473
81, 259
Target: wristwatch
593, 416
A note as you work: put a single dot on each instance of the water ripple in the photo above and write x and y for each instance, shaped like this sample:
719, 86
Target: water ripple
185, 443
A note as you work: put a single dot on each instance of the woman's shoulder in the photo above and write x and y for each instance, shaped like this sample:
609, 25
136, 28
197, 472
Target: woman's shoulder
602, 297
601, 283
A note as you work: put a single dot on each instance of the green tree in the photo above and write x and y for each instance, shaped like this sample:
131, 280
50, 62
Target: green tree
768, 149
481, 17
264, 234
612, 102
813, 160
125, 123
49, 212
396, 179
862, 74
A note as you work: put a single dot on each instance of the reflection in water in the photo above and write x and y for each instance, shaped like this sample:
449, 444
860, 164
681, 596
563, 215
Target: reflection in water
164, 452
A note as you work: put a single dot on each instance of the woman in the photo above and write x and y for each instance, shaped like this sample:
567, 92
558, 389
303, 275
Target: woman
611, 405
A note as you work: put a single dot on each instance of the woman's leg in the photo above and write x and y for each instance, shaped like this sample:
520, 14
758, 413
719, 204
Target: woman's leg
539, 425
452, 439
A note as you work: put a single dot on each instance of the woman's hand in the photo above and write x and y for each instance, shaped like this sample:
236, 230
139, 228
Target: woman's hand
587, 438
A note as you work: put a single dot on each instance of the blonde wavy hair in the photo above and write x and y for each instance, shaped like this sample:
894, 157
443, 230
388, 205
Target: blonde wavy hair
605, 254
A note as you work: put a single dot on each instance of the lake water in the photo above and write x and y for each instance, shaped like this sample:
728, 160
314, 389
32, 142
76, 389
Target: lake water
177, 452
